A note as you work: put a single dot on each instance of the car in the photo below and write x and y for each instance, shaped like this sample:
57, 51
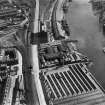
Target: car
103, 49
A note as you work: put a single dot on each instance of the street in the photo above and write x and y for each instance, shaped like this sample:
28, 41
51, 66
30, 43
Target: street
85, 28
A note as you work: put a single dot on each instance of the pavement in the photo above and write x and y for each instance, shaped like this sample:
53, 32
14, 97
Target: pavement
85, 28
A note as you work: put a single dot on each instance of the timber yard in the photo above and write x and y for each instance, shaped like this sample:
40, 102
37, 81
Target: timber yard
52, 52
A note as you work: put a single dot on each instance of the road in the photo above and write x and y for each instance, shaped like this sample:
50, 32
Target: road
85, 28
35, 63
10, 93
29, 76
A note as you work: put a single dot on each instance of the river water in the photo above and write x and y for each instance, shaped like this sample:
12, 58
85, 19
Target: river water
85, 28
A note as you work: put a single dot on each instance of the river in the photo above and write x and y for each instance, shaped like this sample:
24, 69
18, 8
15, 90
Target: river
85, 28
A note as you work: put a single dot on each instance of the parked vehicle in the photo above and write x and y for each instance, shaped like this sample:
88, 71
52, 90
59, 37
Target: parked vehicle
103, 49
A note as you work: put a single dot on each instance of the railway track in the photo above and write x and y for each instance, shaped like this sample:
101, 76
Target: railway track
60, 27
50, 20
54, 23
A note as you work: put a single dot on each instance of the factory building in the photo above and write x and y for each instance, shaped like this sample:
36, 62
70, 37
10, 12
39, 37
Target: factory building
65, 77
